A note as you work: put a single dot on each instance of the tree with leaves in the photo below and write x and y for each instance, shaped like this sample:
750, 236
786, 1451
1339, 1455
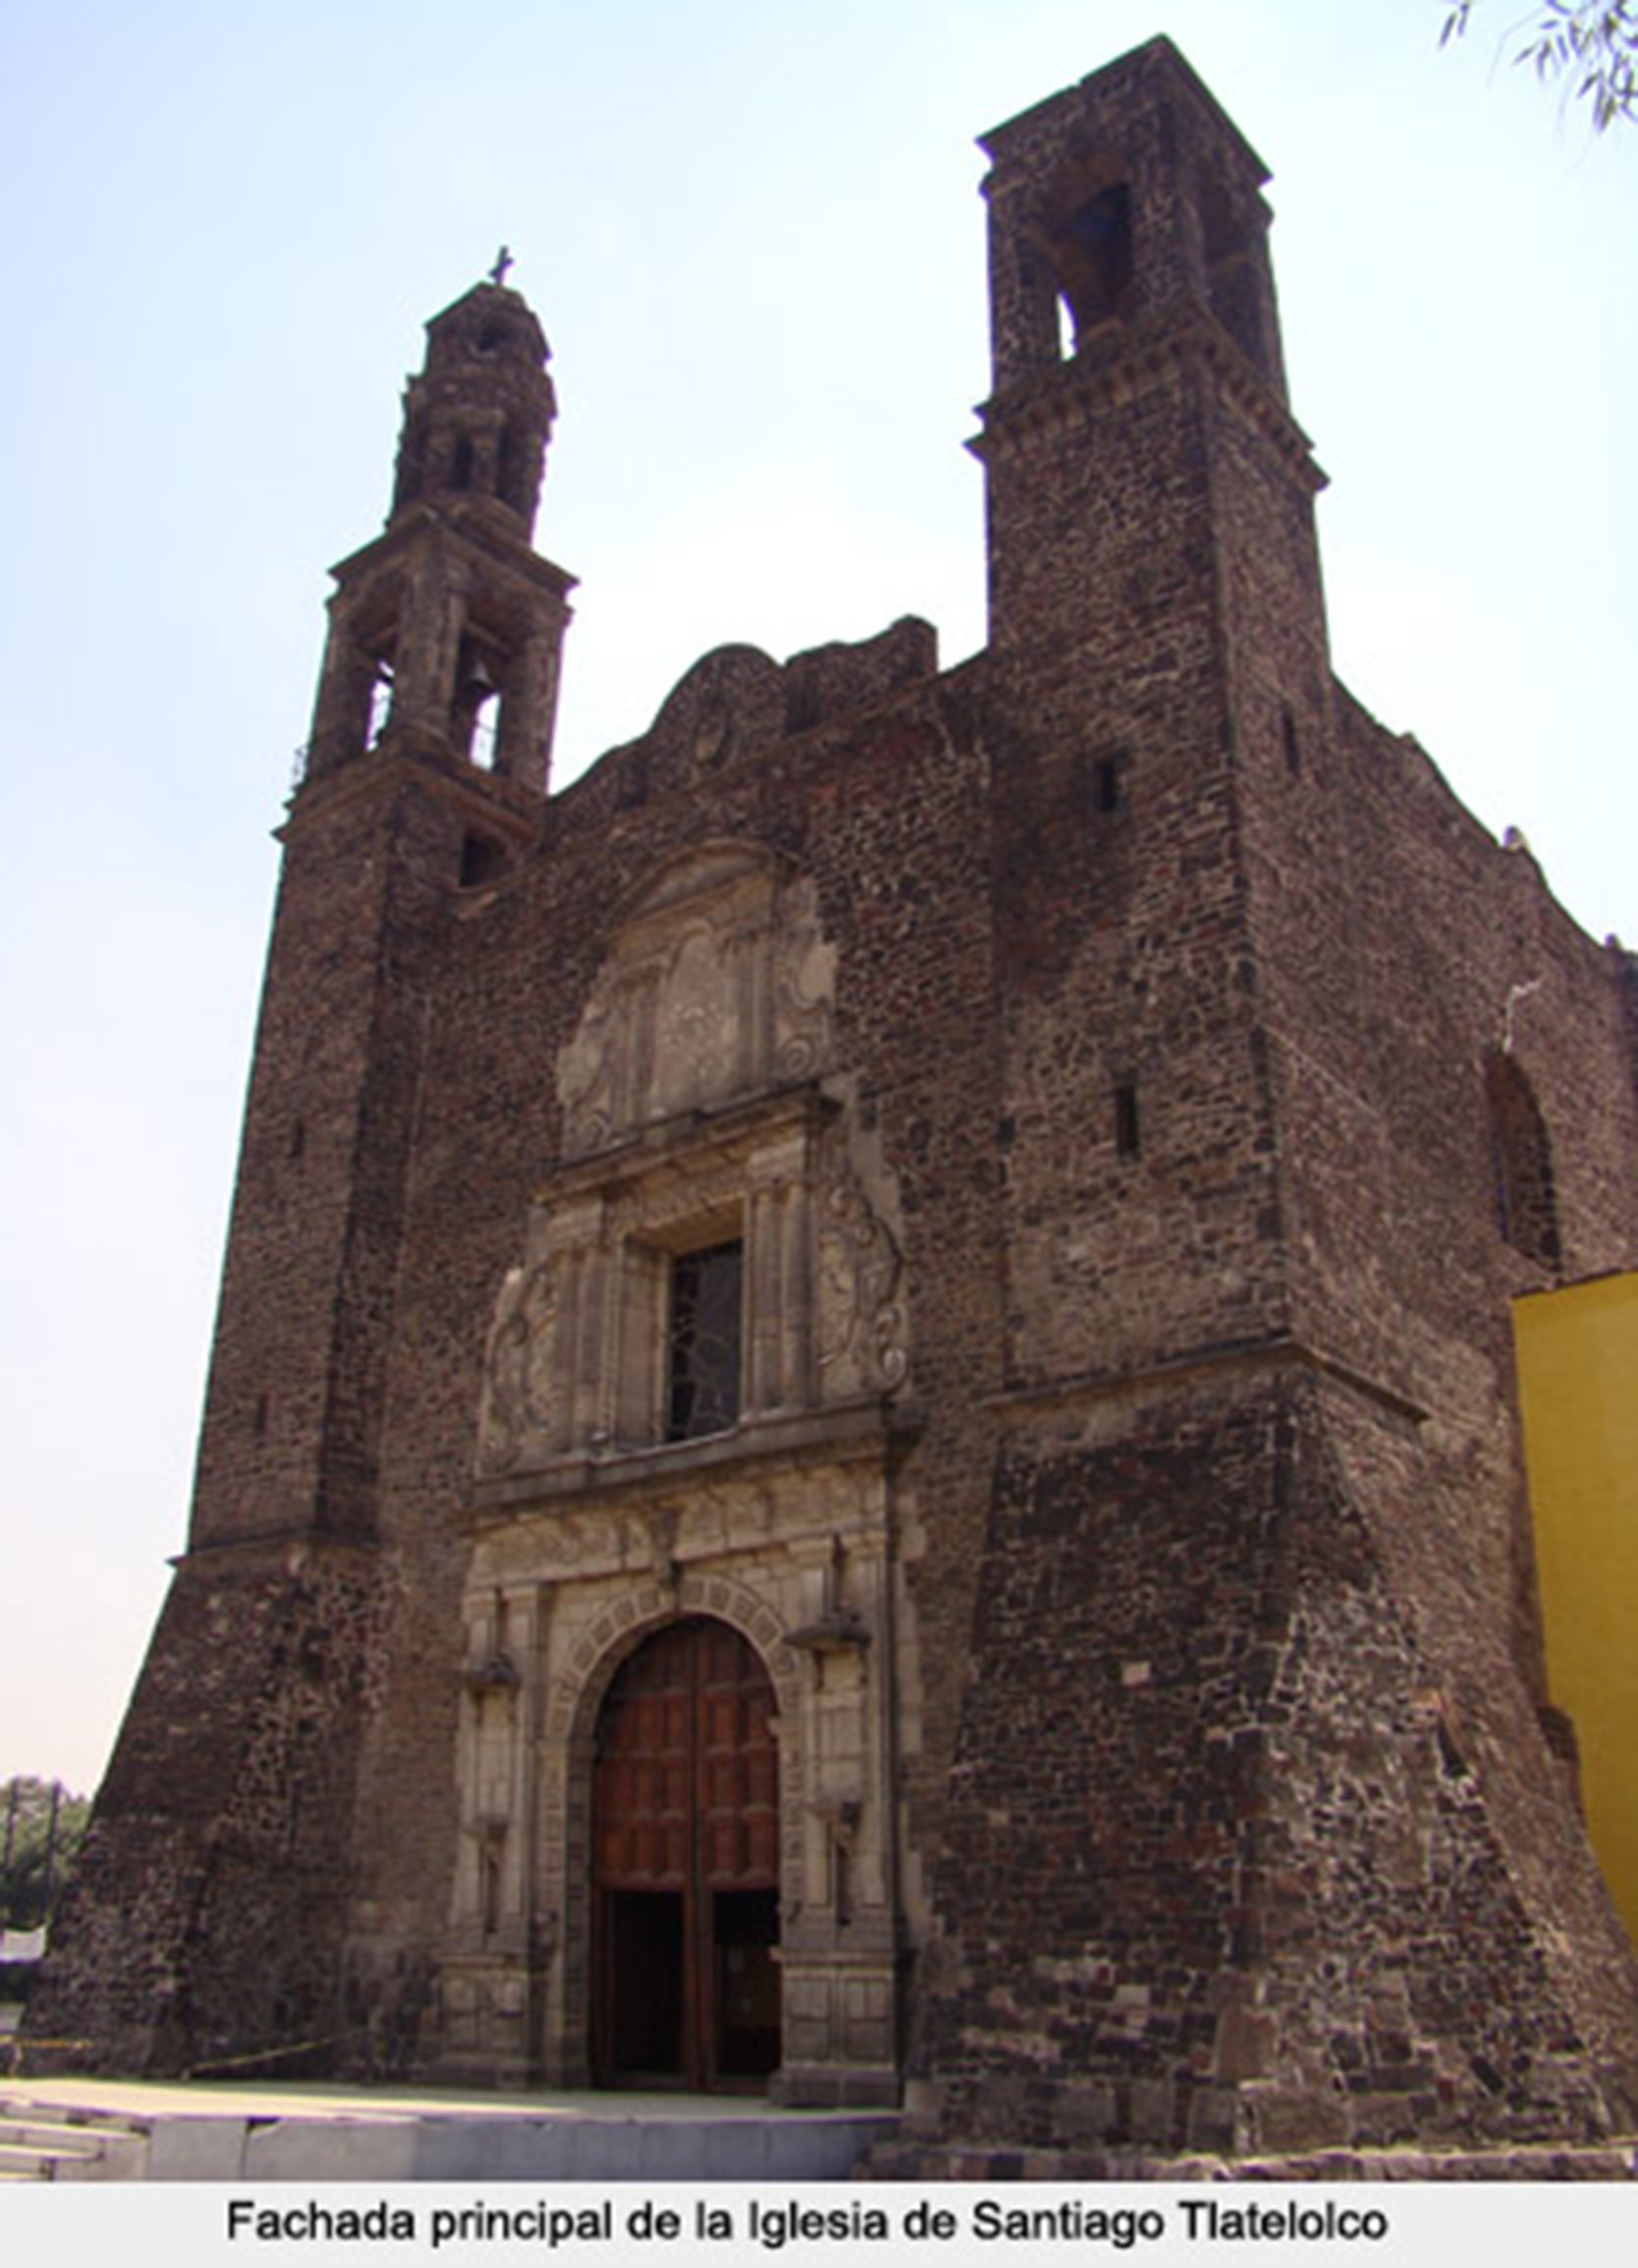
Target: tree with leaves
41, 1825
1591, 46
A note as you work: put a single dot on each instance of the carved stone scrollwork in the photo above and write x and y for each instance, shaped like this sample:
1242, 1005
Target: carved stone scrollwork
803, 978
661, 1525
698, 1015
588, 1078
700, 1110
515, 1370
860, 1320
717, 984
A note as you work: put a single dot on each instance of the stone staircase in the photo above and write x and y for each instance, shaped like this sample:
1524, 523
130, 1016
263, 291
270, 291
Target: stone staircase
86, 2132
42, 2142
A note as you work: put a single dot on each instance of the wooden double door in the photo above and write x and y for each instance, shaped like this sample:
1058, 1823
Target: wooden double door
685, 1859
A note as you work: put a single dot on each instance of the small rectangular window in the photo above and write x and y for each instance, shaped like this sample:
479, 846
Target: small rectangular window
1107, 783
703, 1362
1126, 1121
480, 861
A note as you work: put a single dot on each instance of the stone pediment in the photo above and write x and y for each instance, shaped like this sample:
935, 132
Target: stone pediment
716, 986
729, 705
702, 871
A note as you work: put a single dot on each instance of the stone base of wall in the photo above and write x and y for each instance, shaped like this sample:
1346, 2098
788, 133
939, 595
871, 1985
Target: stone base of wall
1615, 2161
201, 1930
836, 2087
1226, 1872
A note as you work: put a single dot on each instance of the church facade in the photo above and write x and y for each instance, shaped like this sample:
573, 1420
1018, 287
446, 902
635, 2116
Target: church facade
861, 1439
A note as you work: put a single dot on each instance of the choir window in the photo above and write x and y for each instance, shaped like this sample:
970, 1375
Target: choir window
703, 1362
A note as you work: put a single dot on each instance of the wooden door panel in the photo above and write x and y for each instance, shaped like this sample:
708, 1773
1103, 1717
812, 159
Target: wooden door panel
685, 1849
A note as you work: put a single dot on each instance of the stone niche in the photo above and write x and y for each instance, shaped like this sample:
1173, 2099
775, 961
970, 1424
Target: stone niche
704, 1115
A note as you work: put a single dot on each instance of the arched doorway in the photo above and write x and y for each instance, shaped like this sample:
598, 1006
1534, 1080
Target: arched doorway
685, 1865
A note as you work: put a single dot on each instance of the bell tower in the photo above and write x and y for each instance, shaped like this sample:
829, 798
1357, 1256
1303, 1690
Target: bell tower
1158, 671
1132, 318
1200, 1651
426, 776
446, 633
232, 1791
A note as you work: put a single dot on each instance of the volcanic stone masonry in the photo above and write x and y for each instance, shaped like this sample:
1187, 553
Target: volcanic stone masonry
861, 1438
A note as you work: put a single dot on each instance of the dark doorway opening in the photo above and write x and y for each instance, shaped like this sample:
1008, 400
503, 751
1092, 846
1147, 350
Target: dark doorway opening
646, 1949
685, 1887
745, 1933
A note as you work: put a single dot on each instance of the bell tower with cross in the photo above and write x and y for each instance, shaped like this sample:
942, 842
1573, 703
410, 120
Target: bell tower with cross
425, 784
446, 633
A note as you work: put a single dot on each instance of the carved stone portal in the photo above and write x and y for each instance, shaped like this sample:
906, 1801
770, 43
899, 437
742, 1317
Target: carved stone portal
704, 1115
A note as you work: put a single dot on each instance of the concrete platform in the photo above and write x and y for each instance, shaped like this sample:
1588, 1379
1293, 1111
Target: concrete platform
118, 2129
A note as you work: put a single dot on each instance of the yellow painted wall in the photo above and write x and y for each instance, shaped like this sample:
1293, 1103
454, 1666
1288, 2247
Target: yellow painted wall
1578, 1385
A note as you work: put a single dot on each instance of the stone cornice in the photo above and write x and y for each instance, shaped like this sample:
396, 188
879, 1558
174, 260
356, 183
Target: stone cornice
1279, 1351
1125, 364
862, 1432
296, 1546
488, 800
479, 525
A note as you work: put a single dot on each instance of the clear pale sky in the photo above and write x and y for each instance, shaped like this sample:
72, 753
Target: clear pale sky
753, 236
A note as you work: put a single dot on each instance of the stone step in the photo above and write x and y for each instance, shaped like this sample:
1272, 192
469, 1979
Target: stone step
206, 2136
45, 2133
41, 2144
42, 2160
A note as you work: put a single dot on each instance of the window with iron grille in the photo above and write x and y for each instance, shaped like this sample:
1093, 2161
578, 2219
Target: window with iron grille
703, 1359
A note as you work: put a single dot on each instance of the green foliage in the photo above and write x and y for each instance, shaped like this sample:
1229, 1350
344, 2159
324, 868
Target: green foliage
41, 1826
1593, 47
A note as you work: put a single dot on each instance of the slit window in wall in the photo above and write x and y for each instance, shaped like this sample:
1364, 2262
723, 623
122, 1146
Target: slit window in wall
1108, 789
1289, 741
702, 1350
1126, 1121
298, 1139
462, 463
259, 1422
